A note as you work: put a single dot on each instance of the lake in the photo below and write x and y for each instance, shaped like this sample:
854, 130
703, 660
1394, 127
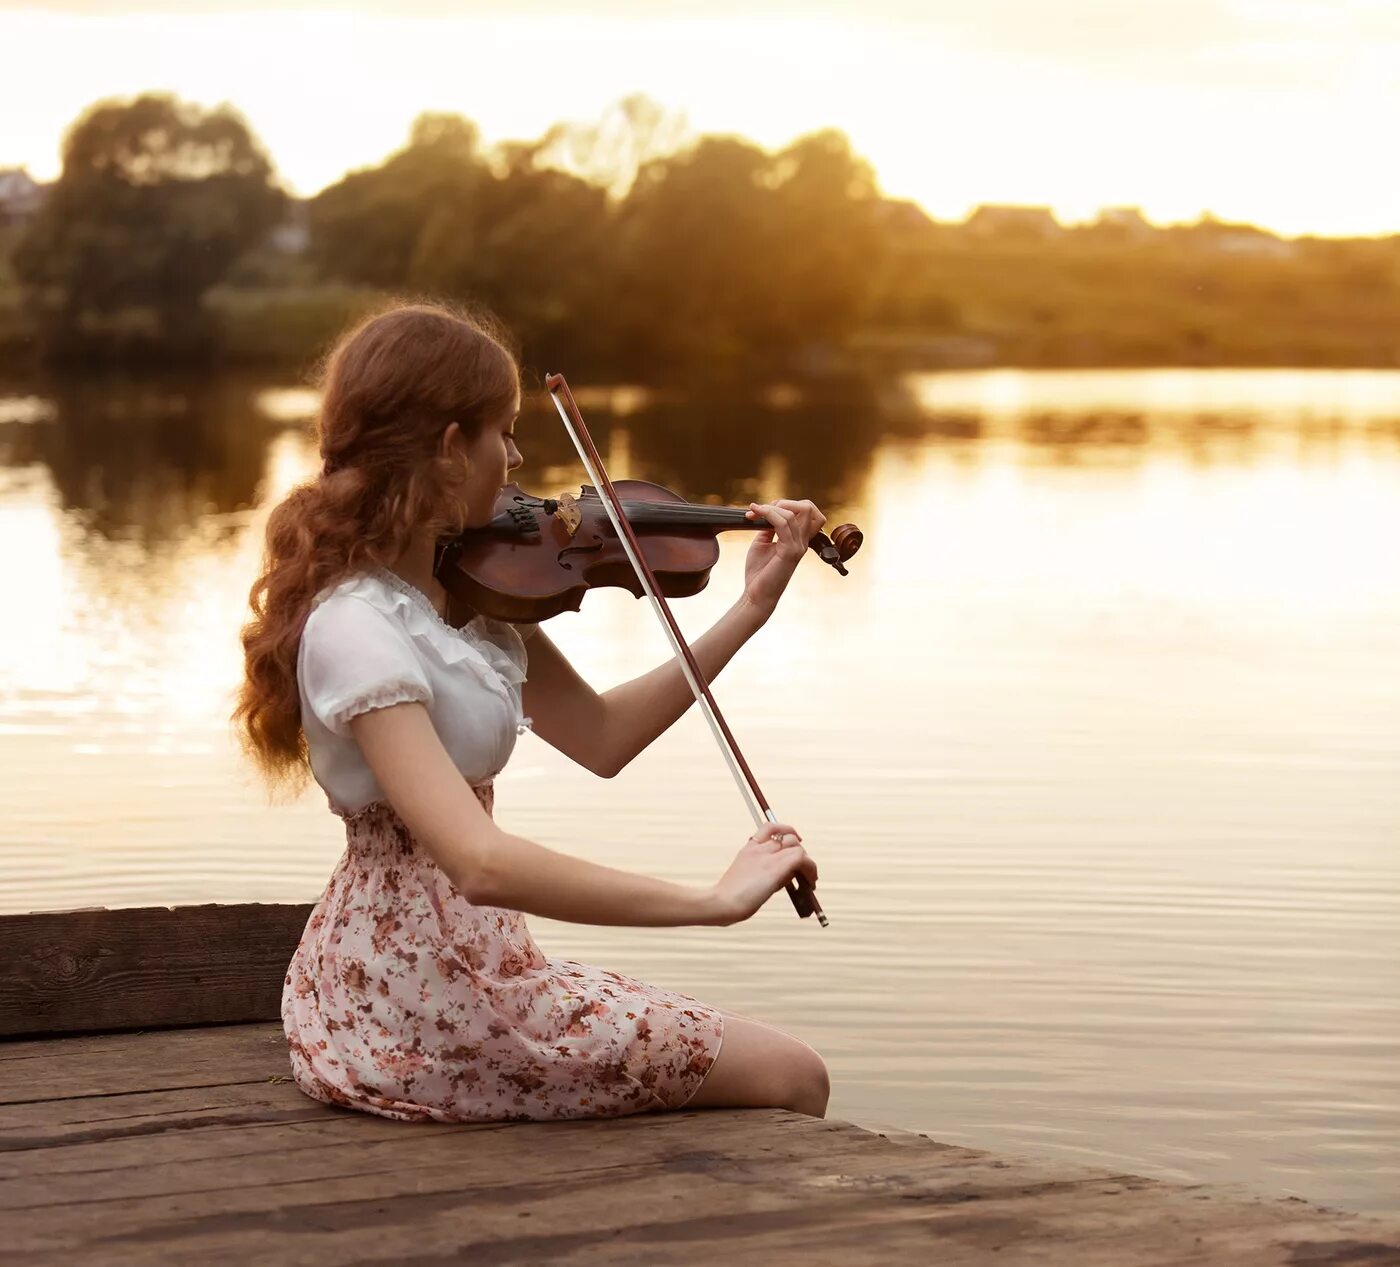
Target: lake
1098, 745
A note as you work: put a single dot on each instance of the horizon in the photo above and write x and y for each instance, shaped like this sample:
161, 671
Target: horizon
1095, 217
1210, 113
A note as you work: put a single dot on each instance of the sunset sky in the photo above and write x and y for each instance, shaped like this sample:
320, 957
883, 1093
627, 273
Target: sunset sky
1278, 112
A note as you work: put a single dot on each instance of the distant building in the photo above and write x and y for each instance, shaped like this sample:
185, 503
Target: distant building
1009, 220
1238, 239
1125, 223
21, 196
904, 216
1254, 243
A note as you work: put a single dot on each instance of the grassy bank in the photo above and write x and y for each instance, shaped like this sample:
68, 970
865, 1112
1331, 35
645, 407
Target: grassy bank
955, 304
1166, 301
290, 326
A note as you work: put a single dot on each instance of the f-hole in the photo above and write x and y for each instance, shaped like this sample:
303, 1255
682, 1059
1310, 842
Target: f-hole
589, 549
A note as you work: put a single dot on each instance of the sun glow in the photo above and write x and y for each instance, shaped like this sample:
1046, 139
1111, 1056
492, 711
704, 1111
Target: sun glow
951, 110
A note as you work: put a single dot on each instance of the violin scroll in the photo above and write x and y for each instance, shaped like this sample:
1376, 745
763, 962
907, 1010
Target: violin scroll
847, 539
844, 541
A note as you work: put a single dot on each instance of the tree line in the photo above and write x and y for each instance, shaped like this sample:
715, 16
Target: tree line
641, 259
721, 258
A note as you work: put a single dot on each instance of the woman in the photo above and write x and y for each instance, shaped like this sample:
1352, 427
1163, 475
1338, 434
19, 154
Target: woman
417, 991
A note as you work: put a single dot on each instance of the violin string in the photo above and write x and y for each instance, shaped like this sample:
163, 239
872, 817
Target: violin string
644, 511
670, 510
684, 507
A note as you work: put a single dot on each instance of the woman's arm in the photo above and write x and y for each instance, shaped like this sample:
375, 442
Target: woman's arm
494, 868
604, 732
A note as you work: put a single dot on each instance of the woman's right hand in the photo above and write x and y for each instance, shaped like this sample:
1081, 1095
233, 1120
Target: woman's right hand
768, 860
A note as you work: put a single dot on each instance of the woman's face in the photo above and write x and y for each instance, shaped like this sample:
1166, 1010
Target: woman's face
492, 456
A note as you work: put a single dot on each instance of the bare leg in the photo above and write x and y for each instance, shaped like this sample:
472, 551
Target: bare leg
762, 1067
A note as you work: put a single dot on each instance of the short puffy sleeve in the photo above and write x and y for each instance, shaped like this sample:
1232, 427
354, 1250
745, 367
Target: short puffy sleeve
354, 658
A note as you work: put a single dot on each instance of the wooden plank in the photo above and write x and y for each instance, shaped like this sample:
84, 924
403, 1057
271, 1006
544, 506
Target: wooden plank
144, 967
192, 1153
193, 1146
182, 1115
125, 1063
252, 1170
43, 1119
748, 1186
93, 1119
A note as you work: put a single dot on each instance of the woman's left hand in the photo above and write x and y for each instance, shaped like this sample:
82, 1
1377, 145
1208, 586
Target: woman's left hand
777, 550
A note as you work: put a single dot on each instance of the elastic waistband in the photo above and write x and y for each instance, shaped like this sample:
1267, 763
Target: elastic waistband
371, 819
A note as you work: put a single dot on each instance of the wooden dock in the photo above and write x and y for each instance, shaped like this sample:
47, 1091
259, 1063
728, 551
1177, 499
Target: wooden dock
192, 1145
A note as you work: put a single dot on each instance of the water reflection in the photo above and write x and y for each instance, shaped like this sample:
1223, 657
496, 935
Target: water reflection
146, 460
142, 460
1099, 736
1148, 406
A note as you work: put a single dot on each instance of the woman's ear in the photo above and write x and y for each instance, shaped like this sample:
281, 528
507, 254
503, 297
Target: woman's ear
450, 435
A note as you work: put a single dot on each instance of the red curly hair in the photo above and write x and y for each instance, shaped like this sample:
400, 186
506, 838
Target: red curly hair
390, 386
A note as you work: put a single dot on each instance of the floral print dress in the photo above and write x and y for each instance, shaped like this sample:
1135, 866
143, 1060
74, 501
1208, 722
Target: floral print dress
405, 999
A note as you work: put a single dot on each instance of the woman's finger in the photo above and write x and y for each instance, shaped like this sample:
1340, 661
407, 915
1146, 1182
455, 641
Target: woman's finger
775, 515
786, 528
783, 522
810, 519
769, 831
795, 861
801, 508
789, 844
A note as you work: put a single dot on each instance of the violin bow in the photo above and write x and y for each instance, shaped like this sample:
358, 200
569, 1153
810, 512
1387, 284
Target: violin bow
799, 889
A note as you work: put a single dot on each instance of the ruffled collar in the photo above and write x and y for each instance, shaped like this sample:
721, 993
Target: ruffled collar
482, 641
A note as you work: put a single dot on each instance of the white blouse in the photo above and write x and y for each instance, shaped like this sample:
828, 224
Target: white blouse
374, 640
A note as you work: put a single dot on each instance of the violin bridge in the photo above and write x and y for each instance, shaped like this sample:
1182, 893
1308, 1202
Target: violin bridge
569, 512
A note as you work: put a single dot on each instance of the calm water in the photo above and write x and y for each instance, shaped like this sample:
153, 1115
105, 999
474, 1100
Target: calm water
1097, 745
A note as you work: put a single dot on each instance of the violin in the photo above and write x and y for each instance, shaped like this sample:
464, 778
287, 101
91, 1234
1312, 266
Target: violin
538, 556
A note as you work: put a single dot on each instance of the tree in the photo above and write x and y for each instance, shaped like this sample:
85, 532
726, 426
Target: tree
367, 227
834, 246
157, 199
693, 242
733, 263
610, 152
722, 262
533, 247
442, 216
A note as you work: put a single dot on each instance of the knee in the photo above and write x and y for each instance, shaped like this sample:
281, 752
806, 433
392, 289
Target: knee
811, 1086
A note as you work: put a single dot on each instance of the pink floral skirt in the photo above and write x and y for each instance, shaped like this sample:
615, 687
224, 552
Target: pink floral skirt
406, 1000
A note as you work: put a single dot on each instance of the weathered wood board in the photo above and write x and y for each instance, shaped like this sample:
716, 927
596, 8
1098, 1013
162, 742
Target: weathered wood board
193, 1146
145, 967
